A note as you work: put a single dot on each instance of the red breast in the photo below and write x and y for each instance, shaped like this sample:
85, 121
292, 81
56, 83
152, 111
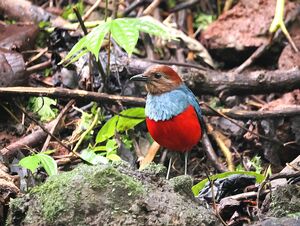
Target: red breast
180, 133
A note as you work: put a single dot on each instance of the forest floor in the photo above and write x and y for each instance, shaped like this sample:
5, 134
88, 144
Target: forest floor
74, 146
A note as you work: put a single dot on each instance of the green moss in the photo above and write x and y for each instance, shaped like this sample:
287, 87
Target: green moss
183, 185
62, 194
156, 169
285, 201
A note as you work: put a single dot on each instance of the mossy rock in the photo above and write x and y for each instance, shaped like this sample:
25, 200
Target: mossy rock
285, 201
107, 195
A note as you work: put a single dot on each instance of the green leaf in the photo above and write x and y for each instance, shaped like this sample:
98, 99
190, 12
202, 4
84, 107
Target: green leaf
198, 187
111, 145
31, 162
42, 106
113, 157
34, 161
91, 157
126, 123
125, 32
48, 163
91, 42
107, 130
152, 26
96, 37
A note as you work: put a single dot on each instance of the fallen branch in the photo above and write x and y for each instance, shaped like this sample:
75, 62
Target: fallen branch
71, 94
138, 101
231, 83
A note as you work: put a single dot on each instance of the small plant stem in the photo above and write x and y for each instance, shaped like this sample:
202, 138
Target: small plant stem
106, 10
108, 55
94, 123
214, 199
228, 5
278, 22
99, 65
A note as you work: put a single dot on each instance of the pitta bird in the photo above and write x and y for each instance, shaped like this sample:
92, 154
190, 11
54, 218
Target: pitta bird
173, 115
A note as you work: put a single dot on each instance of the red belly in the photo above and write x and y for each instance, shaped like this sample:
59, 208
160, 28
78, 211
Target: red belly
179, 133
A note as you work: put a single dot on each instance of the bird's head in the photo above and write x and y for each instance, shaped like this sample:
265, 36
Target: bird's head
159, 79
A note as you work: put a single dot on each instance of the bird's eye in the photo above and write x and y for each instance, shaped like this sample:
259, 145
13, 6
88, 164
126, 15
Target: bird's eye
157, 75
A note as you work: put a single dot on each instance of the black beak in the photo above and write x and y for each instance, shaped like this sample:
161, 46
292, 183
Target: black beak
139, 77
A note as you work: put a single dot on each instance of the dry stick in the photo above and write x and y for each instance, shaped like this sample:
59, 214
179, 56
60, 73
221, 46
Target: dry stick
257, 53
208, 149
227, 5
39, 66
138, 101
190, 65
37, 56
190, 28
88, 13
244, 128
72, 94
133, 6
151, 7
57, 120
43, 128
225, 150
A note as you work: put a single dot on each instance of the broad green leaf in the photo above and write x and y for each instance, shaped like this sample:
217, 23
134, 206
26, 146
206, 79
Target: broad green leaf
91, 157
151, 26
125, 32
198, 187
42, 106
31, 162
96, 37
107, 130
48, 163
126, 123
34, 161
113, 157
91, 42
111, 145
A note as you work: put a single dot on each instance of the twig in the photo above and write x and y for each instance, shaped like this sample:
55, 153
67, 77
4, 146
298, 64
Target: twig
151, 7
38, 67
72, 94
244, 128
225, 150
37, 56
208, 149
57, 120
88, 13
228, 4
133, 6
43, 128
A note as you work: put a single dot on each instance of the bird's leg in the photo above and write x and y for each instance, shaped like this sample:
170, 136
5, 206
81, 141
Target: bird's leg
186, 155
169, 168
